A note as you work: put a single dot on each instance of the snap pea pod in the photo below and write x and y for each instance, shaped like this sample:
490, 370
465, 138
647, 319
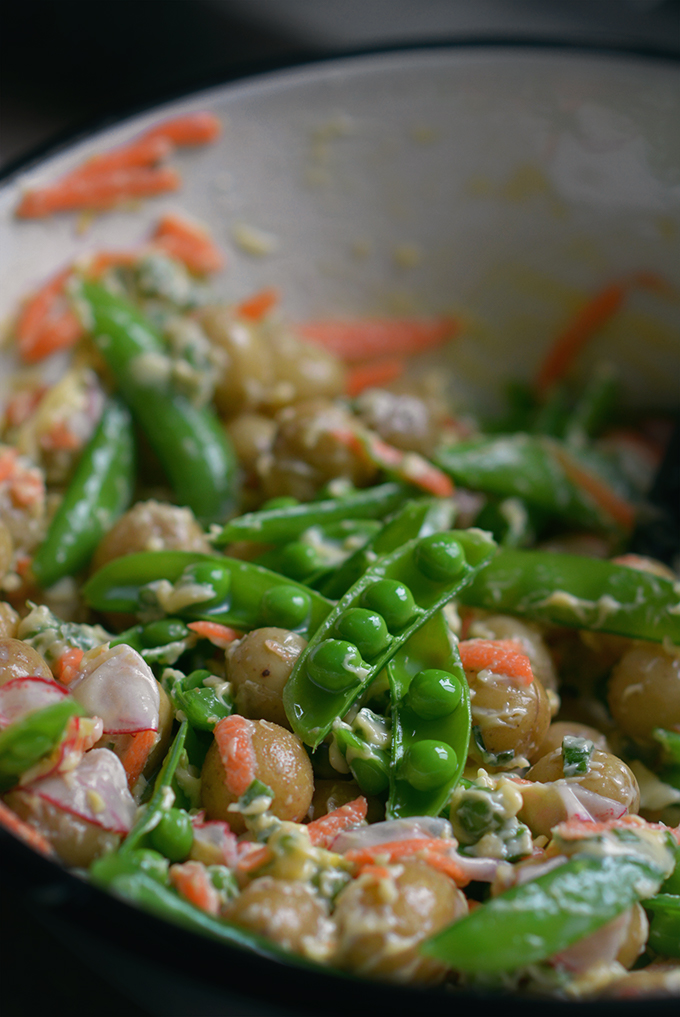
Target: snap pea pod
417, 518
162, 797
664, 926
380, 612
237, 593
540, 470
319, 550
189, 440
535, 920
430, 721
279, 525
100, 491
578, 592
33, 737
203, 705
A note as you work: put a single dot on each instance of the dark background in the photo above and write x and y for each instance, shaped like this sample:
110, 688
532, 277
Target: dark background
67, 63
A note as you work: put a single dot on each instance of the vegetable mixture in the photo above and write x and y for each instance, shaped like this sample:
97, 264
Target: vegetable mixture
295, 653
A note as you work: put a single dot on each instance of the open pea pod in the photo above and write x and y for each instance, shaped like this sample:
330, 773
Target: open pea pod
282, 524
417, 518
431, 721
535, 920
578, 592
219, 589
391, 601
33, 737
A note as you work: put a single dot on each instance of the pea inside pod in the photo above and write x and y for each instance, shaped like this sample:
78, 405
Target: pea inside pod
402, 590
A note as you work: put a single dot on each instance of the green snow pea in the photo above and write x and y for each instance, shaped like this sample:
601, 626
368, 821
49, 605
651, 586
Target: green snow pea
158, 642
430, 721
578, 592
99, 492
538, 469
405, 588
161, 799
664, 925
29, 739
237, 593
189, 440
319, 550
281, 524
535, 920
203, 705
417, 518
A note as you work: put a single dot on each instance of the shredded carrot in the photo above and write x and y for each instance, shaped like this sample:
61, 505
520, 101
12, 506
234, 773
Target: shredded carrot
60, 436
102, 261
8, 463
323, 831
431, 850
449, 866
189, 243
199, 128
192, 881
376, 872
407, 466
606, 499
373, 374
66, 667
145, 151
98, 191
22, 565
23, 405
254, 858
135, 756
46, 322
235, 745
258, 306
219, 635
368, 339
10, 821
588, 320
502, 656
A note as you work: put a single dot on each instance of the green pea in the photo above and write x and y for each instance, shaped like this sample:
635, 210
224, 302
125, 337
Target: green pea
371, 775
392, 600
287, 607
366, 629
283, 502
440, 557
434, 693
174, 835
162, 632
336, 665
428, 764
299, 560
205, 573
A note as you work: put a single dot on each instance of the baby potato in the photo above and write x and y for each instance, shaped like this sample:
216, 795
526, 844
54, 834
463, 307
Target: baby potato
19, 660
382, 919
607, 775
504, 626
561, 729
644, 690
511, 716
281, 763
151, 526
258, 667
288, 912
76, 841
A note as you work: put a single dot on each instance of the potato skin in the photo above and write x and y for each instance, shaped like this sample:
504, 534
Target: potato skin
644, 690
287, 912
19, 660
281, 763
510, 716
607, 775
258, 667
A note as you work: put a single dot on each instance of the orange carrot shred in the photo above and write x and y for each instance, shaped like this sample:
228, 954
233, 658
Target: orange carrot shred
502, 656
102, 261
66, 667
433, 851
449, 866
219, 635
193, 883
24, 831
591, 317
255, 858
135, 756
46, 323
407, 466
189, 242
98, 191
367, 339
256, 307
373, 374
235, 745
198, 128
324, 830
620, 510
144, 151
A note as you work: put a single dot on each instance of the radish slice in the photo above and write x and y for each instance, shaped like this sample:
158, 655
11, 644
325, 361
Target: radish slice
118, 685
22, 696
423, 827
95, 791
